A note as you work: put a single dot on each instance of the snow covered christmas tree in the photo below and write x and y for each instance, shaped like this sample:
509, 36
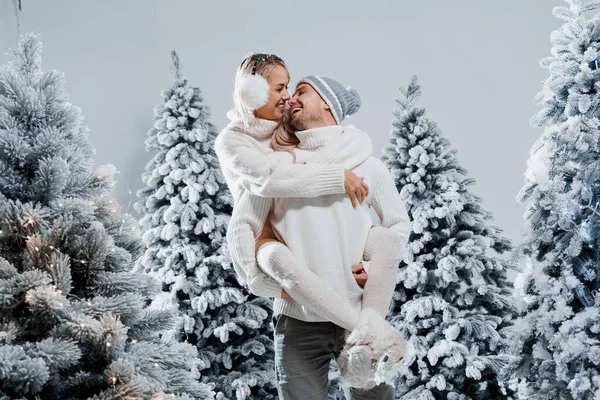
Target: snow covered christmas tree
186, 208
557, 337
73, 317
452, 299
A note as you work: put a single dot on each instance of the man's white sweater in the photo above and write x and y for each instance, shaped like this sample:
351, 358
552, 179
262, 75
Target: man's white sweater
253, 179
326, 234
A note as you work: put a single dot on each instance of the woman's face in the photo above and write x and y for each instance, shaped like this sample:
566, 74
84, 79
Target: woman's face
278, 95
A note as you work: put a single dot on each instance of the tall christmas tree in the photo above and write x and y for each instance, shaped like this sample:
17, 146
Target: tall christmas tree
74, 321
186, 208
452, 299
557, 337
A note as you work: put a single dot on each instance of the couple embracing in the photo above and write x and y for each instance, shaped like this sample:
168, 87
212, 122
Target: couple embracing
302, 232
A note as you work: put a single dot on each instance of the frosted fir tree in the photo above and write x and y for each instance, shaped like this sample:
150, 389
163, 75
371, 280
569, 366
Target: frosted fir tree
73, 317
453, 297
185, 210
557, 337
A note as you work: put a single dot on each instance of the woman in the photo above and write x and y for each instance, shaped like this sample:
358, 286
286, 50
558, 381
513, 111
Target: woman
254, 173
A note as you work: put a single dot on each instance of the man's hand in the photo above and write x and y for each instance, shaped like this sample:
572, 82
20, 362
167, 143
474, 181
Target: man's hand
284, 295
360, 275
356, 188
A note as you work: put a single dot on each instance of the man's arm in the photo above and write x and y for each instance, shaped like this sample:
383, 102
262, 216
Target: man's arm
390, 208
264, 176
247, 221
386, 244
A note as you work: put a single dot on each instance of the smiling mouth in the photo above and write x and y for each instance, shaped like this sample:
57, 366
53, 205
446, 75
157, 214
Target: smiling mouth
296, 110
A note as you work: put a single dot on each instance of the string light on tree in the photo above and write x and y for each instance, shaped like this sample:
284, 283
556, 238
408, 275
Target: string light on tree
52, 218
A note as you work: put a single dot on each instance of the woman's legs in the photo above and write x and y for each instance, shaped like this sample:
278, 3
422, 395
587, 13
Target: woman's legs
267, 235
276, 260
372, 336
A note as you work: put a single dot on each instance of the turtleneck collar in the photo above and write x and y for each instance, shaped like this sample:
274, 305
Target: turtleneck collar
260, 129
313, 139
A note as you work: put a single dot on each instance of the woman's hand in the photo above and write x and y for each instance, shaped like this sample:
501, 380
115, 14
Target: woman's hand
356, 187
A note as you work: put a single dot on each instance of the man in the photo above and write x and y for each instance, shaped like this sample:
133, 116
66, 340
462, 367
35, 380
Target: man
326, 233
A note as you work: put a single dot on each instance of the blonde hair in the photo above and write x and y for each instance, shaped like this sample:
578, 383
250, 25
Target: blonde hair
284, 137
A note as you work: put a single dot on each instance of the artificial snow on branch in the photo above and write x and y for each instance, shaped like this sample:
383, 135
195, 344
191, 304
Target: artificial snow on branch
556, 339
74, 320
185, 209
453, 298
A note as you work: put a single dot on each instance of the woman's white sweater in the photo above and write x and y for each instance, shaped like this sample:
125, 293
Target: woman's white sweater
254, 179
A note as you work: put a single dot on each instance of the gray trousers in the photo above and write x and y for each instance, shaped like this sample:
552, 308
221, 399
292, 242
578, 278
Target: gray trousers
303, 351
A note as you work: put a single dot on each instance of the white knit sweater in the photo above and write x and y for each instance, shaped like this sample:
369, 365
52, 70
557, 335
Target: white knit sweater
254, 179
326, 234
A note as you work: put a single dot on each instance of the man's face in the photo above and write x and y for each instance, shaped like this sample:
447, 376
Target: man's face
306, 108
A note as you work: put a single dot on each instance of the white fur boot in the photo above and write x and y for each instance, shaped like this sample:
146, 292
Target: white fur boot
356, 366
373, 352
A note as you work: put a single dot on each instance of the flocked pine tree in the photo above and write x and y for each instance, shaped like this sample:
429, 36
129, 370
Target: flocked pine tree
557, 337
453, 296
186, 208
74, 321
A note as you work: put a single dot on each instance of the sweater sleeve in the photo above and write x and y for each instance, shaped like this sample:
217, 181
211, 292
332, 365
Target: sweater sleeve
390, 208
248, 218
351, 150
265, 177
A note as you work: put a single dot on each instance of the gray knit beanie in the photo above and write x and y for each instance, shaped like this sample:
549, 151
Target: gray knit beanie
342, 101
